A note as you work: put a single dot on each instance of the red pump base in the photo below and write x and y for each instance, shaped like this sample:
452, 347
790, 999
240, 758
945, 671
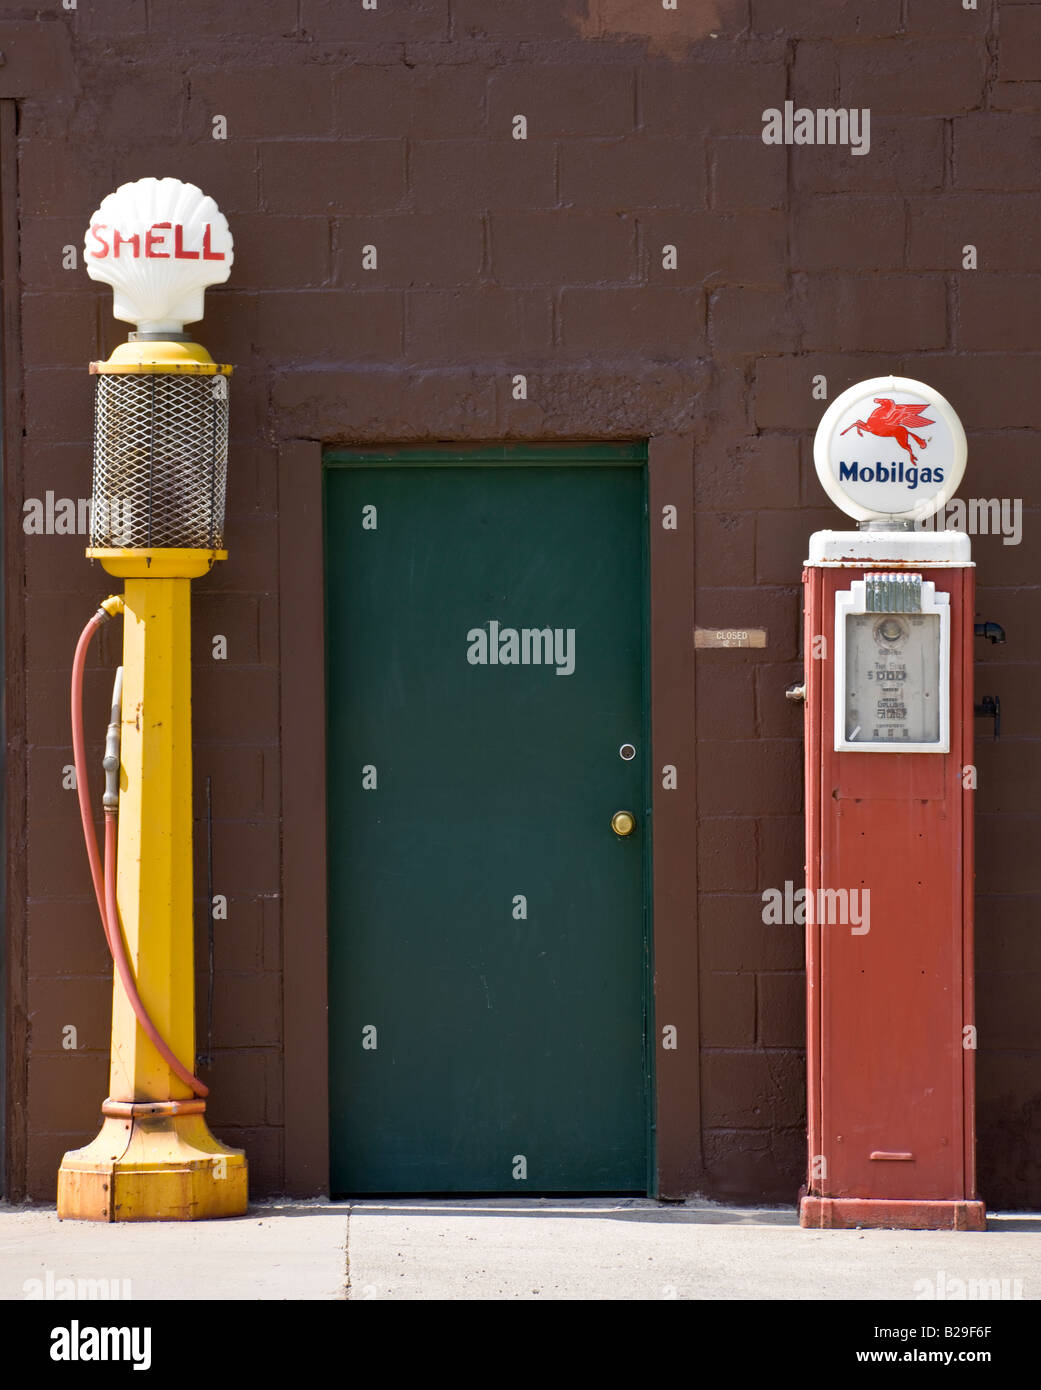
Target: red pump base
847, 1213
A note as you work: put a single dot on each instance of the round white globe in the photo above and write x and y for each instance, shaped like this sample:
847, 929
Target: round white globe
906, 459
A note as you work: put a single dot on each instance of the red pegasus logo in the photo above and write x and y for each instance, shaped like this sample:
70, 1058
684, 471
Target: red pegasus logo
892, 421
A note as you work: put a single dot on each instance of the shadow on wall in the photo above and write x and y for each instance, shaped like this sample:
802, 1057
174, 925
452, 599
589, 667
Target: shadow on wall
1008, 1131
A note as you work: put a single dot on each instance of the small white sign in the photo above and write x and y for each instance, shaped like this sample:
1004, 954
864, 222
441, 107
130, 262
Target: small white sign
890, 449
159, 243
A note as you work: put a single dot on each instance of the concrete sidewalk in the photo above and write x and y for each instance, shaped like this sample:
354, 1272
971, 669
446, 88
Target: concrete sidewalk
537, 1249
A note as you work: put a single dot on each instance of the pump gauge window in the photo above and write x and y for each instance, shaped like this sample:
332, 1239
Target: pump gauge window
892, 669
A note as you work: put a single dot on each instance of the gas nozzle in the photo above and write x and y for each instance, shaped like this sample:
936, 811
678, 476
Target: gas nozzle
110, 800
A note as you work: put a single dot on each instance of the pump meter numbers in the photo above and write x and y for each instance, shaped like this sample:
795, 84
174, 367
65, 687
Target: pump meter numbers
892, 678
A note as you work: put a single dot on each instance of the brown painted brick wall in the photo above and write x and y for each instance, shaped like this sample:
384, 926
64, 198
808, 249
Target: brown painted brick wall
392, 128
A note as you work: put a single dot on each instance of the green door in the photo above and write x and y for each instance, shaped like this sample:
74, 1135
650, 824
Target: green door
488, 929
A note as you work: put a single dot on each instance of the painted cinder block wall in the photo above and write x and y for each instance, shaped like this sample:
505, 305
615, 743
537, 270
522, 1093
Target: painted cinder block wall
393, 127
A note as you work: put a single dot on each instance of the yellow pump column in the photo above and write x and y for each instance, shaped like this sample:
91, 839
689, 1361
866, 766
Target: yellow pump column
155, 1159
154, 883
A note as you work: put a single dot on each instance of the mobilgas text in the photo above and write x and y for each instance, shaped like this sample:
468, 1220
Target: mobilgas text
897, 472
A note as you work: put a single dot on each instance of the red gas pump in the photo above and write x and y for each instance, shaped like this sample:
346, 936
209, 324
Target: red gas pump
890, 778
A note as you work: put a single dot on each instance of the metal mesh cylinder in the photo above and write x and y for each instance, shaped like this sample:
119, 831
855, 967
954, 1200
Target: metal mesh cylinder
160, 460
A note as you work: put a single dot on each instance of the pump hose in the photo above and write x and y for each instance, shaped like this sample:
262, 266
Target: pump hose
105, 878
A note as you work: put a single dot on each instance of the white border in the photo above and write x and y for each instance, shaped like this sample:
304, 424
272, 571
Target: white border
830, 421
854, 600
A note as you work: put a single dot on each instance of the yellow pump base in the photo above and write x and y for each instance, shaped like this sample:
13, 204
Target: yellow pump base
163, 1168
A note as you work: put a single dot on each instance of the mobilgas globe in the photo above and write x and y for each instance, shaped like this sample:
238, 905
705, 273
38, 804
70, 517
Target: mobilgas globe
890, 449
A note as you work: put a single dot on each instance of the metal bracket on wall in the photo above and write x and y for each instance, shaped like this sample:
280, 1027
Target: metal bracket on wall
990, 708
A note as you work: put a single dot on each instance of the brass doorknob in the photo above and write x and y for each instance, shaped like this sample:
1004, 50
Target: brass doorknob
623, 823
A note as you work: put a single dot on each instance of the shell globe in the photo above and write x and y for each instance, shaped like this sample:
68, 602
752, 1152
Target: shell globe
159, 243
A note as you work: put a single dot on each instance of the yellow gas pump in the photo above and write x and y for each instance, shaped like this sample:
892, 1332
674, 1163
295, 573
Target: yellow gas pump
160, 460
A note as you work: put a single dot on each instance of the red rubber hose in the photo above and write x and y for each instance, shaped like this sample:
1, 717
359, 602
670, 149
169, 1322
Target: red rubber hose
80, 760
105, 879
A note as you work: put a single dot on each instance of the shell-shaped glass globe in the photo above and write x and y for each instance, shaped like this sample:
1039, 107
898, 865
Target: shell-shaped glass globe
159, 243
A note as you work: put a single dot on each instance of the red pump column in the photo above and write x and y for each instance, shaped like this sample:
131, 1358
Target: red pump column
890, 1037
890, 781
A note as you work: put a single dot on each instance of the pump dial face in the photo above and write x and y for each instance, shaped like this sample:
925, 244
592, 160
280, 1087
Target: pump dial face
892, 678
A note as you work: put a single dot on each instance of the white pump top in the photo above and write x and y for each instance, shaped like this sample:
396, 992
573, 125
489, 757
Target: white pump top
889, 550
159, 243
